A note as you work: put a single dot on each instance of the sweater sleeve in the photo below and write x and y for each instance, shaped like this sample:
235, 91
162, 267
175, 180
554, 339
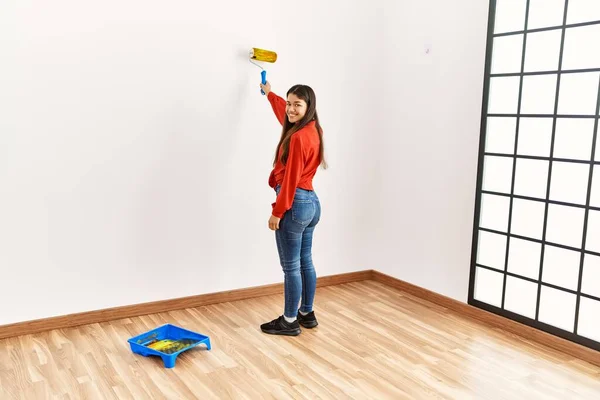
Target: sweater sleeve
278, 105
293, 173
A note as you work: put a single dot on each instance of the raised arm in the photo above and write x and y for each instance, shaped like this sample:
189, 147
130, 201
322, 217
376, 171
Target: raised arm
277, 103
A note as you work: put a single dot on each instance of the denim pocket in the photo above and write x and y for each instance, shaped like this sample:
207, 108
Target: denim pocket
303, 211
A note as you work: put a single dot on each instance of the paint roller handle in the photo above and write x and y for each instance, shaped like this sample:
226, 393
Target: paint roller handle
264, 80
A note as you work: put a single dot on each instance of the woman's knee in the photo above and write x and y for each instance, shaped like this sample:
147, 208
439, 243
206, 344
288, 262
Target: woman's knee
292, 267
306, 263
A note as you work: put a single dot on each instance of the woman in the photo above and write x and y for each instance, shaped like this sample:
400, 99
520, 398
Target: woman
296, 210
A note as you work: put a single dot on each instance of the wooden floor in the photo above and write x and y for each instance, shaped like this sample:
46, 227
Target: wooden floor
372, 342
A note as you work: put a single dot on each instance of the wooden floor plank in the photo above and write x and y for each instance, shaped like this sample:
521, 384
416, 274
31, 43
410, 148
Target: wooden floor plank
373, 342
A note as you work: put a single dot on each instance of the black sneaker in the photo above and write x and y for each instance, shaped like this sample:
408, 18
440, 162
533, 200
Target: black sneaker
308, 321
280, 326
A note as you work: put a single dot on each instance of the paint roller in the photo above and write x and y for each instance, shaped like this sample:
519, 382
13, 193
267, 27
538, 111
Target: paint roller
264, 56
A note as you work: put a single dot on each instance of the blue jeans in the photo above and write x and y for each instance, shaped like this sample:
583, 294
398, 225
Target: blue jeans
294, 244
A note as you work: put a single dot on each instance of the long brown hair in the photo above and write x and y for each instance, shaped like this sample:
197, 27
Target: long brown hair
308, 95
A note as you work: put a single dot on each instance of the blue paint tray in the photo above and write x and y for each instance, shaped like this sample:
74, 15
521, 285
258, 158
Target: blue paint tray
167, 341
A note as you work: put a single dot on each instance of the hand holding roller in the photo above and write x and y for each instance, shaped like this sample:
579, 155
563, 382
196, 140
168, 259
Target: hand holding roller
265, 56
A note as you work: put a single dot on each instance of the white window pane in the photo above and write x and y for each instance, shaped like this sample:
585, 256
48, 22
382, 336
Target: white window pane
592, 240
565, 225
573, 138
561, 267
597, 153
590, 281
488, 286
531, 178
569, 182
500, 135
588, 324
535, 136
507, 53
583, 11
543, 49
577, 53
527, 218
545, 13
520, 297
494, 212
578, 93
497, 174
503, 95
595, 195
491, 250
539, 92
524, 258
510, 16
557, 308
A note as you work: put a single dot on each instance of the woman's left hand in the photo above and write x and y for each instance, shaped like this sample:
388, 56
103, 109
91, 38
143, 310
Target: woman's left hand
274, 223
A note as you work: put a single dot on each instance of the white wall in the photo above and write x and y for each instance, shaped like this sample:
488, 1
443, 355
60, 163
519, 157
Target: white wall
429, 141
135, 146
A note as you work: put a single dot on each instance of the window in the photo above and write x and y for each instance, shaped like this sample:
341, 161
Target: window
536, 241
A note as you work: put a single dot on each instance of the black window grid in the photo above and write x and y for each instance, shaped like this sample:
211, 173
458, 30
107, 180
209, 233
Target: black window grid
572, 336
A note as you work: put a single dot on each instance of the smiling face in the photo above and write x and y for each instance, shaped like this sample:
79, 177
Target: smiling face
295, 108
